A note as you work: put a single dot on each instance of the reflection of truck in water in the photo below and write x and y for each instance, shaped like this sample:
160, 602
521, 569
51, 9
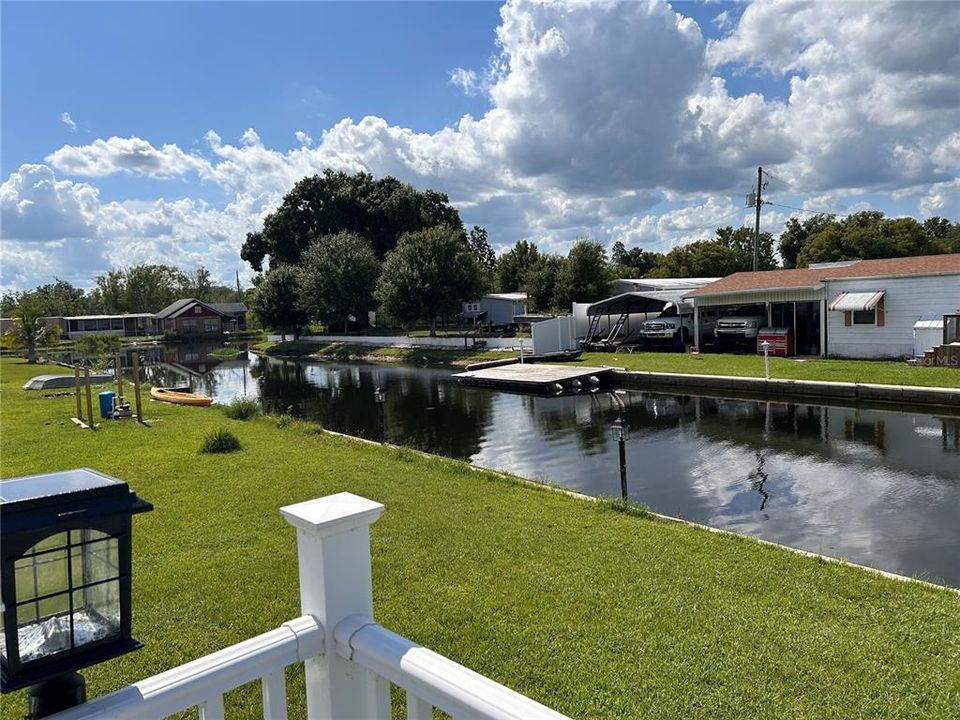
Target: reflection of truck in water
674, 327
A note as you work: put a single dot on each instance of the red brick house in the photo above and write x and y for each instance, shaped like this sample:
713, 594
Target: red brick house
190, 316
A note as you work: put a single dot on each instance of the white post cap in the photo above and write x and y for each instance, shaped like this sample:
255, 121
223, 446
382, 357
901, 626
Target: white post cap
333, 513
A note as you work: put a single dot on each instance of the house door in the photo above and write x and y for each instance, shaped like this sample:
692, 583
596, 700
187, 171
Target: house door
807, 330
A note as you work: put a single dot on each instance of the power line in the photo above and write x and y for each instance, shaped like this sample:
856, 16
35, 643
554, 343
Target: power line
715, 223
805, 210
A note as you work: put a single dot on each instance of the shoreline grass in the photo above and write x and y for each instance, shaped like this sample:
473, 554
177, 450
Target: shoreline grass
591, 610
882, 372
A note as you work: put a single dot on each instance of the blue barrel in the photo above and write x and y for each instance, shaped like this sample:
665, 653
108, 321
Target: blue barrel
106, 403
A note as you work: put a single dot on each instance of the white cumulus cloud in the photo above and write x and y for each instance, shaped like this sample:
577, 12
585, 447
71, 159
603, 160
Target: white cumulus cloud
597, 113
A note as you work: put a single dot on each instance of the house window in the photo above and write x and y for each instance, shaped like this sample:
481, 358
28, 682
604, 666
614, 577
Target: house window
188, 325
197, 309
865, 317
211, 325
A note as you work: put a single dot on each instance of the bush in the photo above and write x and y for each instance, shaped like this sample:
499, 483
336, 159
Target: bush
242, 408
284, 421
220, 441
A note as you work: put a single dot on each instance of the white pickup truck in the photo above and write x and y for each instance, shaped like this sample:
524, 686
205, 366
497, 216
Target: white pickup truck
675, 327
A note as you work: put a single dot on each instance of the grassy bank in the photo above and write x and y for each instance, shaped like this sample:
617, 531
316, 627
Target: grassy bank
592, 611
353, 351
884, 372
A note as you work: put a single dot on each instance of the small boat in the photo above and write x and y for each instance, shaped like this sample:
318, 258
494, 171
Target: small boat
46, 382
180, 396
559, 356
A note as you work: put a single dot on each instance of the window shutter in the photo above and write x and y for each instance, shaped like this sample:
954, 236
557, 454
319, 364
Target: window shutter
847, 318
880, 314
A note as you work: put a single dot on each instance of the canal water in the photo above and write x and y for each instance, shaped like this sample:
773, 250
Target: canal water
875, 487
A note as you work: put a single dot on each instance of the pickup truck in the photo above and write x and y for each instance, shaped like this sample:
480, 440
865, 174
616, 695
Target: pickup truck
739, 331
673, 327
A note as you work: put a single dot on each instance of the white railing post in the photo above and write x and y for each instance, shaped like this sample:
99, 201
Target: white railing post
333, 553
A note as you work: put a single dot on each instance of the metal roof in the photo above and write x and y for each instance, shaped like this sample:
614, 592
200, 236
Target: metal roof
515, 296
110, 317
637, 302
669, 283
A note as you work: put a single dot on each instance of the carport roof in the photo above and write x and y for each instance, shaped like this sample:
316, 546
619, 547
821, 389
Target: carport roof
637, 301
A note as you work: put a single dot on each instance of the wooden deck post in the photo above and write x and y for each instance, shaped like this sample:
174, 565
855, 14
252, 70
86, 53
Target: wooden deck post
119, 372
78, 385
86, 377
136, 385
333, 552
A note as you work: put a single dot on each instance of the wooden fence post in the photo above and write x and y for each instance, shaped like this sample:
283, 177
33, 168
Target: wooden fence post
333, 553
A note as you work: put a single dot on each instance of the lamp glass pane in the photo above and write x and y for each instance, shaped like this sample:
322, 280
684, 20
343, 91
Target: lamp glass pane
96, 613
43, 627
45, 574
49, 543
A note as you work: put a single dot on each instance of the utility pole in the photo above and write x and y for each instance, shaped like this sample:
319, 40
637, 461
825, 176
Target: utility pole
756, 230
239, 294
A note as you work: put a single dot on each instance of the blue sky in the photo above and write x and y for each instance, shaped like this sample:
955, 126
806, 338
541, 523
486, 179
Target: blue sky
162, 132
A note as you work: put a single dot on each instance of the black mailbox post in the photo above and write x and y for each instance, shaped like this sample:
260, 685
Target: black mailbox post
65, 557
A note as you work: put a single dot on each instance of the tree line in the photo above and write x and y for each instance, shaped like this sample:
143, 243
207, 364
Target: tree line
137, 289
341, 245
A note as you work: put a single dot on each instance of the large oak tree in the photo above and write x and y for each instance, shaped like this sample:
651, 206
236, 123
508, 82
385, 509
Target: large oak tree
380, 210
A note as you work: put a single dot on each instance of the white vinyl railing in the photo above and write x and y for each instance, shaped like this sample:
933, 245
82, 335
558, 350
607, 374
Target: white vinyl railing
202, 683
430, 679
349, 660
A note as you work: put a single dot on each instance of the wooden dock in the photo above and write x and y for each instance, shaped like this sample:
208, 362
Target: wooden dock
536, 377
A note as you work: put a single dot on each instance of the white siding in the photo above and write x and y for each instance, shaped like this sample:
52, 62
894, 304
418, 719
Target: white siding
906, 301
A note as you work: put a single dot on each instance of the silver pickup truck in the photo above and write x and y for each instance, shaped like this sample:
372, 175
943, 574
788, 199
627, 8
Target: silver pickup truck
734, 331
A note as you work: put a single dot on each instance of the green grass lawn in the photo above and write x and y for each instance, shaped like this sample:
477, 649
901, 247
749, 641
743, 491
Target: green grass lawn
884, 372
595, 612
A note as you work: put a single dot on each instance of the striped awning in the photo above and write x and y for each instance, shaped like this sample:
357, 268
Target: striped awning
847, 301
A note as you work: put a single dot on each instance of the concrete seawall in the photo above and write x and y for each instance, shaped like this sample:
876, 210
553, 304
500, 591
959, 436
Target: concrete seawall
800, 390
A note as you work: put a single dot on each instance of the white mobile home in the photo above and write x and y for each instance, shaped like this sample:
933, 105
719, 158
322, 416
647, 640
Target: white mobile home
856, 308
495, 308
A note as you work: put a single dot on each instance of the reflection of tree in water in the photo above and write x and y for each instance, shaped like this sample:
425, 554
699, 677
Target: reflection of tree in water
421, 410
434, 414
588, 417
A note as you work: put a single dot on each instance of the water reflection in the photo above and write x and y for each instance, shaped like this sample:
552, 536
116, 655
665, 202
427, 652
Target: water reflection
418, 411
876, 487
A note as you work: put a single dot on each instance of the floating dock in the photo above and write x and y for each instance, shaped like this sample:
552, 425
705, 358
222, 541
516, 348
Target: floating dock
538, 377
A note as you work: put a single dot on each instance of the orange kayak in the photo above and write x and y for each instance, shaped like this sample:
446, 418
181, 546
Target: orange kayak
180, 397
